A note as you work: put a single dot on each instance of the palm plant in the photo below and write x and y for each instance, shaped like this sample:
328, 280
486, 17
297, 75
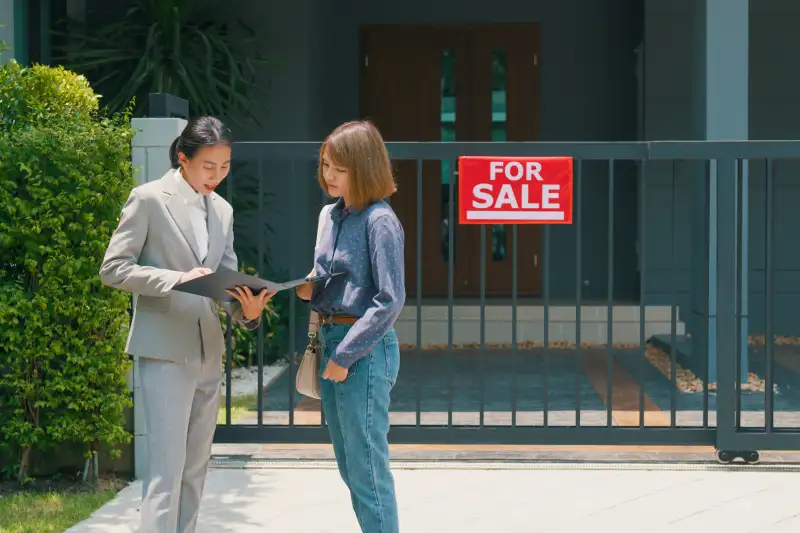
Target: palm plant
174, 46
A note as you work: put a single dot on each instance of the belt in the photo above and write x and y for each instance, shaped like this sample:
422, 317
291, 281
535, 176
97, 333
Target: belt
345, 320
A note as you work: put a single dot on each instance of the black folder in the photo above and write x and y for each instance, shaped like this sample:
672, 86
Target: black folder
216, 284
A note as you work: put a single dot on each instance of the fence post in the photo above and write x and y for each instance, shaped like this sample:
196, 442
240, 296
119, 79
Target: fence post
724, 174
719, 31
150, 158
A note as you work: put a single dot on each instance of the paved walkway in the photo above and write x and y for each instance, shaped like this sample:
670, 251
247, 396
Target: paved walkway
506, 499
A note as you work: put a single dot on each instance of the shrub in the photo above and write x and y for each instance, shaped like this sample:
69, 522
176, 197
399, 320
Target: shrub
44, 92
64, 173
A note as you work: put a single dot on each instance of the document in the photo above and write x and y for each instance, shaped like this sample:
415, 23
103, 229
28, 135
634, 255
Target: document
216, 284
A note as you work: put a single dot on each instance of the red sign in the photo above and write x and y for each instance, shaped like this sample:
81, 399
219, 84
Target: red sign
514, 190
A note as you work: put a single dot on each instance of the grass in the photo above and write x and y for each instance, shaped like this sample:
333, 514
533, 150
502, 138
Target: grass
49, 512
241, 407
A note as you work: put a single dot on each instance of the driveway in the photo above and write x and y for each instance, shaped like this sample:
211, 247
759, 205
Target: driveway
504, 497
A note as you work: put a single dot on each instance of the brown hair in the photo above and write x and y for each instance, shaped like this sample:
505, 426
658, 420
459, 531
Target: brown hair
358, 146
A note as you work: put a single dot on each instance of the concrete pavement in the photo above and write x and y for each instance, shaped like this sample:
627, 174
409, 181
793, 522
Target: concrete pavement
504, 497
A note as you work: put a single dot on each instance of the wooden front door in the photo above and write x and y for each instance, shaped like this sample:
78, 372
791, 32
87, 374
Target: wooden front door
475, 83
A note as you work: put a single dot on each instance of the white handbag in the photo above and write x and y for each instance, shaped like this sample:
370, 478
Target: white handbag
307, 378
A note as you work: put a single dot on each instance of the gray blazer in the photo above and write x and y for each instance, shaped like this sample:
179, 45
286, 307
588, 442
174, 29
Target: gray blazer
149, 251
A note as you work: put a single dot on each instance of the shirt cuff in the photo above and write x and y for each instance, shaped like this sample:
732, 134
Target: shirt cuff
343, 361
252, 324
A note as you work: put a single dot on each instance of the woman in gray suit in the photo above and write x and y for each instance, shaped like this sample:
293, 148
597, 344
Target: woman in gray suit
173, 230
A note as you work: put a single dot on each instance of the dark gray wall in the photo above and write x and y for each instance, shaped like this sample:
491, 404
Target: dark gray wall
588, 94
291, 110
775, 114
671, 112
670, 90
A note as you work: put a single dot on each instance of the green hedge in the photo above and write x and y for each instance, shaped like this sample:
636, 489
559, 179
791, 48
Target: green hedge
64, 173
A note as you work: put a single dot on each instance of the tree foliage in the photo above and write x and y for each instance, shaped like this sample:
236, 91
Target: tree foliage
64, 173
185, 48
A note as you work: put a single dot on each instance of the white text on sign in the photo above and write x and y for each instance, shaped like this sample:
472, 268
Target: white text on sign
513, 170
506, 197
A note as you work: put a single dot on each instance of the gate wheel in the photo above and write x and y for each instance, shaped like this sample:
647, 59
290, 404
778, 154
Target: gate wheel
750, 457
725, 457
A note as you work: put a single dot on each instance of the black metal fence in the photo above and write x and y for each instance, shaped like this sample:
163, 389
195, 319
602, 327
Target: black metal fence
662, 315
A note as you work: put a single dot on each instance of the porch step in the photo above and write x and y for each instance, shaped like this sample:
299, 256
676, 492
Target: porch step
530, 324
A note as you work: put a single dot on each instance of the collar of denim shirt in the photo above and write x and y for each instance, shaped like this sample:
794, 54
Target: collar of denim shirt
339, 211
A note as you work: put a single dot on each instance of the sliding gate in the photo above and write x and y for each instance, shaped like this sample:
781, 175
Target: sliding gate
662, 315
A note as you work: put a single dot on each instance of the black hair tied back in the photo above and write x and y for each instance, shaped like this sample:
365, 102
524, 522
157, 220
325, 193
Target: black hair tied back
200, 132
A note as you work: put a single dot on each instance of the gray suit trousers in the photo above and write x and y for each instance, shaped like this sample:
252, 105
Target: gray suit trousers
181, 402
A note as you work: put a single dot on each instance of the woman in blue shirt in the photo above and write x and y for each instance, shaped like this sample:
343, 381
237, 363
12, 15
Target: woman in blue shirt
361, 237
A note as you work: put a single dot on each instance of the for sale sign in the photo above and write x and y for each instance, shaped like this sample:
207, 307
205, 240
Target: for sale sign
515, 190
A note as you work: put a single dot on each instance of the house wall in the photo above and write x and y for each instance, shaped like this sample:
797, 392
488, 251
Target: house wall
672, 203
588, 94
290, 108
672, 109
775, 115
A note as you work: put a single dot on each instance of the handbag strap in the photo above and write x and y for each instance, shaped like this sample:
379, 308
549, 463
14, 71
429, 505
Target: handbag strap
324, 216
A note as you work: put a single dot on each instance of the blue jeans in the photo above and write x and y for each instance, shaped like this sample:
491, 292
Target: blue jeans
357, 413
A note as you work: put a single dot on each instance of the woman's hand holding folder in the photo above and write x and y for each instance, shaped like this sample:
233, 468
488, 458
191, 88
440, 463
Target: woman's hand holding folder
306, 290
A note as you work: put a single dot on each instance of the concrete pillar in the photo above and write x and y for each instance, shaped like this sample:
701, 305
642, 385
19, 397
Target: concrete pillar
151, 144
721, 52
150, 159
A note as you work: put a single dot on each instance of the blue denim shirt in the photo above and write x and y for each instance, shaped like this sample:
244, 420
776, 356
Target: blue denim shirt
367, 245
